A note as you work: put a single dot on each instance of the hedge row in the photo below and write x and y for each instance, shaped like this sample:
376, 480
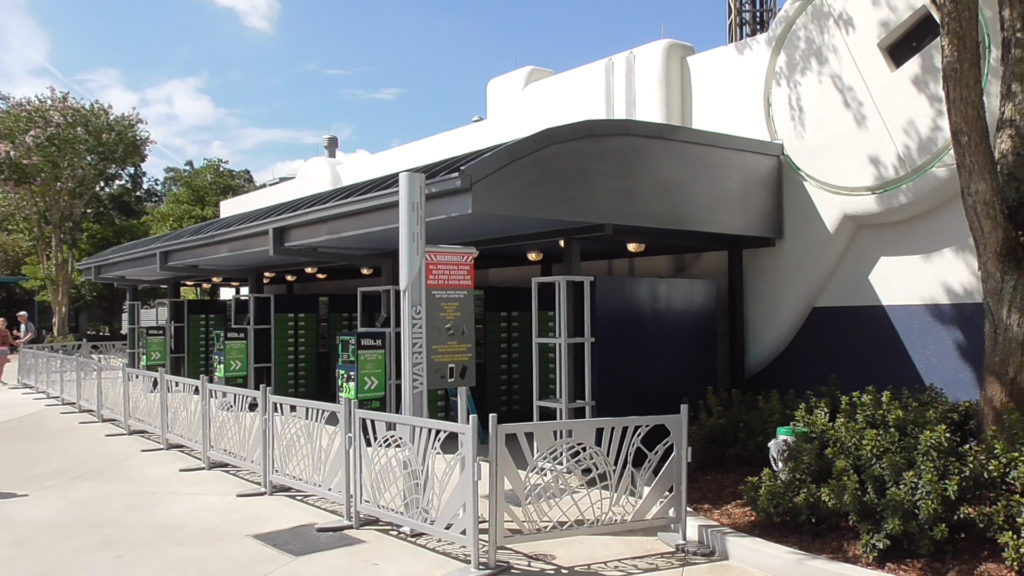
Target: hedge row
907, 469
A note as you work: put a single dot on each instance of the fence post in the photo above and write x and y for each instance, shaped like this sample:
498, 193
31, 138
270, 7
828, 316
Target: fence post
357, 465
204, 417
684, 411
161, 382
125, 400
264, 397
99, 391
60, 381
268, 455
346, 463
494, 524
473, 469
78, 384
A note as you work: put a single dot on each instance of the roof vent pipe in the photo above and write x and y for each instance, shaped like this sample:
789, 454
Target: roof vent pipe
331, 145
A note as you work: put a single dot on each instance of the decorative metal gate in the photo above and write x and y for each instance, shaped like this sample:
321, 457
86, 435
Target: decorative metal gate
309, 448
585, 477
421, 474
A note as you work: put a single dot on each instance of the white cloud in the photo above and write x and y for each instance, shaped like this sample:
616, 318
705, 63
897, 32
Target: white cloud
316, 67
185, 121
24, 51
258, 14
382, 94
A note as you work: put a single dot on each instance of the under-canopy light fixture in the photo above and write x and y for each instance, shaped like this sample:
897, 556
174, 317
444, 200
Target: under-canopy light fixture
266, 280
534, 255
366, 270
217, 279
236, 284
206, 285
636, 247
269, 274
561, 242
321, 275
310, 269
290, 277
189, 283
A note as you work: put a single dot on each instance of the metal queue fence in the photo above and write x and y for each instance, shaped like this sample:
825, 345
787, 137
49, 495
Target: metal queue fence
545, 480
310, 448
421, 474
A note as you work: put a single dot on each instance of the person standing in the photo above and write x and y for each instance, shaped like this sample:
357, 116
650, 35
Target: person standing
6, 343
25, 333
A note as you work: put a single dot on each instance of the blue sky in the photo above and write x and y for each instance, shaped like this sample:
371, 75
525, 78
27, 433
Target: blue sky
258, 82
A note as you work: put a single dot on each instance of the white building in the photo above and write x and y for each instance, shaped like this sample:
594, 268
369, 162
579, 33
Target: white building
845, 251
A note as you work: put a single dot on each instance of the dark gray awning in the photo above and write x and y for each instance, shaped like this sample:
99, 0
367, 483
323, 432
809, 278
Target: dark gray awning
678, 188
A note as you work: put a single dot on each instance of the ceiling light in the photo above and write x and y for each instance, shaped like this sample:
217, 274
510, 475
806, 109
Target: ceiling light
310, 269
266, 280
561, 242
534, 255
636, 247
236, 284
217, 279
290, 277
366, 270
189, 283
321, 275
206, 286
269, 274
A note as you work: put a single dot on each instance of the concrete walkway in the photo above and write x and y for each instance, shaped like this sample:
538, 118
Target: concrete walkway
79, 498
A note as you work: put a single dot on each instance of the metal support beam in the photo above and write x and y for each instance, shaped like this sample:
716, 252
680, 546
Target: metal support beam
163, 266
316, 255
737, 332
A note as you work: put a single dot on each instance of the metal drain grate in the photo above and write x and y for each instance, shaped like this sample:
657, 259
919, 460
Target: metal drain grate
304, 539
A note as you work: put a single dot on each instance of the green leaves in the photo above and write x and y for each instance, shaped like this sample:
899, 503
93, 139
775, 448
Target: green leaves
193, 195
891, 464
59, 157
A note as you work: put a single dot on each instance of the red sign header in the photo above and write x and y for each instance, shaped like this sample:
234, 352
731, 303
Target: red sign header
449, 270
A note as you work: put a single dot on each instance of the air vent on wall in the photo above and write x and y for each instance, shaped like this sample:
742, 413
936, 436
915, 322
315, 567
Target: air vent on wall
910, 38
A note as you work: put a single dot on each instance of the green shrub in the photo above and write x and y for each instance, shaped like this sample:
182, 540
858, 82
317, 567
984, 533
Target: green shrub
730, 427
891, 464
998, 506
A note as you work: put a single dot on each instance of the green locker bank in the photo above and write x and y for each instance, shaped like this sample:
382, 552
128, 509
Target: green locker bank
304, 349
505, 353
296, 323
202, 319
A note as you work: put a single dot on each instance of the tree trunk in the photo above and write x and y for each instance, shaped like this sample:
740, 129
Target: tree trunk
63, 269
992, 187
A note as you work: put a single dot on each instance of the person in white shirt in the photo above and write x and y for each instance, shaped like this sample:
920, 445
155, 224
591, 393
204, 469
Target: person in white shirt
26, 332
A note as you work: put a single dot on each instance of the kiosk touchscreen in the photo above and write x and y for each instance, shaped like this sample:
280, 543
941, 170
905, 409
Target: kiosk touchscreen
362, 368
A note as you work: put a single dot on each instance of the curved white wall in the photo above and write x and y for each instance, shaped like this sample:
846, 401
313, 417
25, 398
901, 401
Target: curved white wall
870, 179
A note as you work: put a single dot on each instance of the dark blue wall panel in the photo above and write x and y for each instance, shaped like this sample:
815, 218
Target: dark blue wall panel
884, 346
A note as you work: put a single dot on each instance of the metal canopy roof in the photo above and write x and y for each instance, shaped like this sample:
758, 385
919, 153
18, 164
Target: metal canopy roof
675, 188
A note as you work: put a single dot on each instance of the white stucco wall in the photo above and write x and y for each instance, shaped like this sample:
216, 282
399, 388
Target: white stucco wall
871, 179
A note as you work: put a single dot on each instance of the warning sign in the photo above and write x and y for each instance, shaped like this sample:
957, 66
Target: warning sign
452, 270
451, 333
